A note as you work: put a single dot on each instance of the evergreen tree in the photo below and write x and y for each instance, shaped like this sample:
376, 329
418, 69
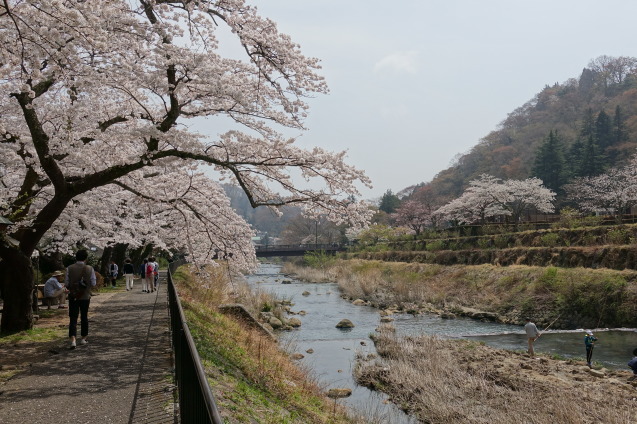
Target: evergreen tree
389, 202
575, 159
592, 160
549, 163
603, 131
588, 125
619, 135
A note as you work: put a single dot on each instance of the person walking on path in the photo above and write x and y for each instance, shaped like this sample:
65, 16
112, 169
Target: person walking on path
155, 272
129, 274
112, 272
79, 280
532, 333
150, 275
54, 290
589, 342
142, 274
632, 364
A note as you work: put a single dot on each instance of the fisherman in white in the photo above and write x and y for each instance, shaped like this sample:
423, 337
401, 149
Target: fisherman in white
532, 333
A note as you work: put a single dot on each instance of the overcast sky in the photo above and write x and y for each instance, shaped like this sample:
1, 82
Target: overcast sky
415, 82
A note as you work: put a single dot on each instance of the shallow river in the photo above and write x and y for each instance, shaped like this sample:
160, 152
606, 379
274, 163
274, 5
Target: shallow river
334, 349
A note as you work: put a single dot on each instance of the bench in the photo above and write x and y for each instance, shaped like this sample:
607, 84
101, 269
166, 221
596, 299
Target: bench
39, 292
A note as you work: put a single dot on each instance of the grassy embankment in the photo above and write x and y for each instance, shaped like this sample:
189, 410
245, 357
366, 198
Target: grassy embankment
579, 297
252, 379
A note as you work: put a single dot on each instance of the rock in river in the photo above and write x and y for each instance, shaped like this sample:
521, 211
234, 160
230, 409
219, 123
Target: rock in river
345, 323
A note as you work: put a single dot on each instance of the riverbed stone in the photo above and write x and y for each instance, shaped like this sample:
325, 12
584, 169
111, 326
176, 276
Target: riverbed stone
297, 356
359, 302
339, 393
306, 293
294, 322
275, 323
345, 323
386, 319
596, 373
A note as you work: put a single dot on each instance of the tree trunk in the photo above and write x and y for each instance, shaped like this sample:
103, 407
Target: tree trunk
105, 260
16, 280
119, 255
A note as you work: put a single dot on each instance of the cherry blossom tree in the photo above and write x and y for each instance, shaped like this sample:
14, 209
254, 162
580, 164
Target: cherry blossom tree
413, 215
480, 201
488, 197
526, 195
99, 102
613, 192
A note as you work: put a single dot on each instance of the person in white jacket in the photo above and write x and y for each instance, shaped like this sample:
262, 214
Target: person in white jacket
532, 333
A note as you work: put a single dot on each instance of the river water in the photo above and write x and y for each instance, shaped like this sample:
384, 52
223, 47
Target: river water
334, 349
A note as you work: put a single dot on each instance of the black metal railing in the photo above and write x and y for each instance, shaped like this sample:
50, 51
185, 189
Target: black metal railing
296, 249
196, 403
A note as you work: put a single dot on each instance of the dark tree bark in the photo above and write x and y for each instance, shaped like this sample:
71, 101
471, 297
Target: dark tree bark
16, 282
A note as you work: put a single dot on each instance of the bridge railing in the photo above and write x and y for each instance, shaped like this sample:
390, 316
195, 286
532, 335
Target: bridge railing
196, 403
295, 247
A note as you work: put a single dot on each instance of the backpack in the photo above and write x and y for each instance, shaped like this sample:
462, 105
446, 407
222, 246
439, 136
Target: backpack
150, 268
78, 288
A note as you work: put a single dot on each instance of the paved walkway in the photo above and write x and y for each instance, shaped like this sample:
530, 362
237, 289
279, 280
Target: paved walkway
123, 375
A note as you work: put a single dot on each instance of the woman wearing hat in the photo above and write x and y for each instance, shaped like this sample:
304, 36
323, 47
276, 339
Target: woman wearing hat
54, 290
589, 342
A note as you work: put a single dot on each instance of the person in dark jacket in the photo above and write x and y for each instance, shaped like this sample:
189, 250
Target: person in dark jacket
129, 274
79, 301
142, 273
633, 365
589, 342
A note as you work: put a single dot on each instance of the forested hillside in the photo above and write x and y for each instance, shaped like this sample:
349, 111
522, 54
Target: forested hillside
577, 128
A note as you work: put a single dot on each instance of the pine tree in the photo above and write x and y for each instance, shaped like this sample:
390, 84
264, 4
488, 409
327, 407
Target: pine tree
592, 160
619, 127
549, 163
603, 131
389, 202
588, 125
575, 158
618, 136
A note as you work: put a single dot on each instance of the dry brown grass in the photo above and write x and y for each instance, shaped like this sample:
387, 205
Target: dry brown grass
511, 292
442, 381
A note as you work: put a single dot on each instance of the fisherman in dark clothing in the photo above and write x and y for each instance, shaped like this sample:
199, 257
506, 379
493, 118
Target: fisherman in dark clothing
633, 365
589, 341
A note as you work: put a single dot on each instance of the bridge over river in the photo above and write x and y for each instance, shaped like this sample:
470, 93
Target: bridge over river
264, 251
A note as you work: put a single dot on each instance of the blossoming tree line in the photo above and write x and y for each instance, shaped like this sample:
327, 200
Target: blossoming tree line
611, 193
97, 101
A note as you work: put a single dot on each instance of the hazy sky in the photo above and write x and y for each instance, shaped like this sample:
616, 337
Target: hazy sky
415, 82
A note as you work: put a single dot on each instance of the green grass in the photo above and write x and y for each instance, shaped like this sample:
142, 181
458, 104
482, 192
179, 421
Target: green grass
34, 335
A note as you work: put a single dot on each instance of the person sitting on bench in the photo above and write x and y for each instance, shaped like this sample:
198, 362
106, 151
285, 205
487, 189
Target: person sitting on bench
54, 290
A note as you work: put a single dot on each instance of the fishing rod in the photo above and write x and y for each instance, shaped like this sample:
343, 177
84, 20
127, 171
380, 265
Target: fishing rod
549, 326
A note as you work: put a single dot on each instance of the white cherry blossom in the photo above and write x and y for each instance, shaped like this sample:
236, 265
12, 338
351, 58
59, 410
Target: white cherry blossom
97, 106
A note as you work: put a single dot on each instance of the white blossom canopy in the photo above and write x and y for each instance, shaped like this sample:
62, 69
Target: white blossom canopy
612, 192
489, 197
96, 105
